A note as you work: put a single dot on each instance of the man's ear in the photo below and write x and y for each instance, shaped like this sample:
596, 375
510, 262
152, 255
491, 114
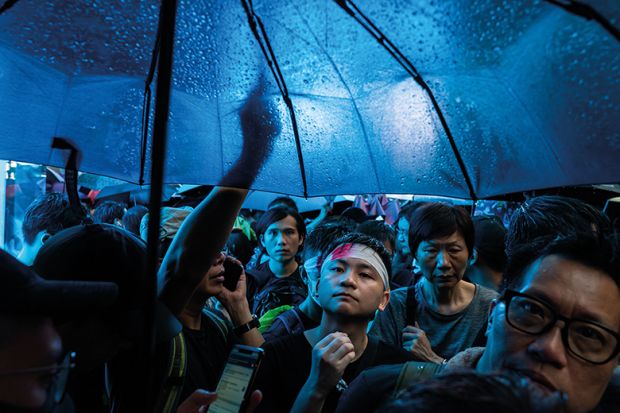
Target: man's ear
473, 258
44, 237
492, 308
316, 289
261, 239
385, 299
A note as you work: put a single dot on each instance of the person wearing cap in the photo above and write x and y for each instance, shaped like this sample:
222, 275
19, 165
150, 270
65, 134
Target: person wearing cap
442, 314
307, 371
33, 364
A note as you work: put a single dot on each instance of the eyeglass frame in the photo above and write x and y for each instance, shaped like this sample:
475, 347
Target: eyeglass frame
507, 297
67, 363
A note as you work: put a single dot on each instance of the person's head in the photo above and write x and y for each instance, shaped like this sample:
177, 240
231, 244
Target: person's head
283, 202
109, 212
45, 216
473, 392
402, 227
441, 238
355, 278
239, 246
281, 232
356, 214
213, 281
558, 321
380, 231
171, 220
551, 214
31, 376
317, 246
99, 252
489, 258
133, 217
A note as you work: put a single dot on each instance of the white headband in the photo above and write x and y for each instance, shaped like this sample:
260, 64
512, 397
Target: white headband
363, 252
312, 268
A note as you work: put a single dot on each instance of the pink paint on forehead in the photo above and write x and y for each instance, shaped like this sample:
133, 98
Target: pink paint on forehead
341, 251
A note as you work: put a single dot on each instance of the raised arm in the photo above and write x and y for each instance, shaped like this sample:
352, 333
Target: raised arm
204, 233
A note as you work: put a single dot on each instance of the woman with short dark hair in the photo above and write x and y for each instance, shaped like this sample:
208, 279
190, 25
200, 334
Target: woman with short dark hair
442, 314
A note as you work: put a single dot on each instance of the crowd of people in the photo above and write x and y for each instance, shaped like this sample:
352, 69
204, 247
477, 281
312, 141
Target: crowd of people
441, 312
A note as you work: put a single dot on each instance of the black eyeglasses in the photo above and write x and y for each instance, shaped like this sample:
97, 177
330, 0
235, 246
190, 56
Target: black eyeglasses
59, 372
586, 340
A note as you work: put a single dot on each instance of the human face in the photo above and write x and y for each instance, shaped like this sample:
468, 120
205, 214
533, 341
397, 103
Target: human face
282, 240
402, 237
351, 287
213, 281
36, 344
574, 291
443, 261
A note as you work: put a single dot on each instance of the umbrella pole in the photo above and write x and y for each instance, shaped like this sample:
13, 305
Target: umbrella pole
167, 18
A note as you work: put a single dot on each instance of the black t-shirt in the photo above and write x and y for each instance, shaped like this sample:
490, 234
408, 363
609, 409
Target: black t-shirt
207, 353
261, 278
286, 367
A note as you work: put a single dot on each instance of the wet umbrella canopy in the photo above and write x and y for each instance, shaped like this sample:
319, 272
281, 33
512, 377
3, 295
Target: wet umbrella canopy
529, 92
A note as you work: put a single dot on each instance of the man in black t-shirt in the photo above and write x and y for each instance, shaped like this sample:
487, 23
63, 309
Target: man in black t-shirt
306, 372
281, 232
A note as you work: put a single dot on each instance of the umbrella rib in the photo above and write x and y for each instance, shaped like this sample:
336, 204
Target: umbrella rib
256, 23
352, 10
7, 5
346, 86
587, 12
146, 105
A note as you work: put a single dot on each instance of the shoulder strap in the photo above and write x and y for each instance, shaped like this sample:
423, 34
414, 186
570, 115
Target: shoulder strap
219, 323
176, 369
414, 372
411, 306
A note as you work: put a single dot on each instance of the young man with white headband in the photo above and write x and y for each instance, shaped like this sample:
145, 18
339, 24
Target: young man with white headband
307, 372
308, 314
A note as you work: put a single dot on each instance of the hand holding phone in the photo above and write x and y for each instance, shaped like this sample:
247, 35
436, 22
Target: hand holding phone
234, 388
232, 273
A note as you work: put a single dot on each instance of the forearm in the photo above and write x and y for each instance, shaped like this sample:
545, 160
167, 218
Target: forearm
201, 237
309, 400
240, 314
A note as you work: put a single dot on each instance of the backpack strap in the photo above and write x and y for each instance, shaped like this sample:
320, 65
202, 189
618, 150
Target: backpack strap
176, 370
411, 306
220, 323
414, 372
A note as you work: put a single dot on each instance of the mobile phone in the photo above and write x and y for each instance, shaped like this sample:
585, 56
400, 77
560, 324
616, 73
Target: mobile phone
232, 272
235, 385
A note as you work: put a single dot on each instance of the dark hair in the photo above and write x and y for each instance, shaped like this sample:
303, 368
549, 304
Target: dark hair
437, 220
586, 248
339, 220
408, 210
356, 214
276, 214
50, 213
320, 239
379, 230
107, 212
357, 238
283, 201
553, 215
133, 217
465, 392
239, 246
490, 239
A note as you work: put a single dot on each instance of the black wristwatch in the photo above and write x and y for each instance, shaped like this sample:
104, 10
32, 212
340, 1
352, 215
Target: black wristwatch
244, 328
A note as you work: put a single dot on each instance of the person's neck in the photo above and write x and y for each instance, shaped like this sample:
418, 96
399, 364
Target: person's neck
27, 254
355, 329
283, 269
191, 316
310, 308
444, 300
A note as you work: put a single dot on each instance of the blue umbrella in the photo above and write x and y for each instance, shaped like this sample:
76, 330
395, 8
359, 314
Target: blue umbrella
529, 92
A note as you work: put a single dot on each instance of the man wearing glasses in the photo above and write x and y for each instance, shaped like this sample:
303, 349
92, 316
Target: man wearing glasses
33, 367
556, 324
